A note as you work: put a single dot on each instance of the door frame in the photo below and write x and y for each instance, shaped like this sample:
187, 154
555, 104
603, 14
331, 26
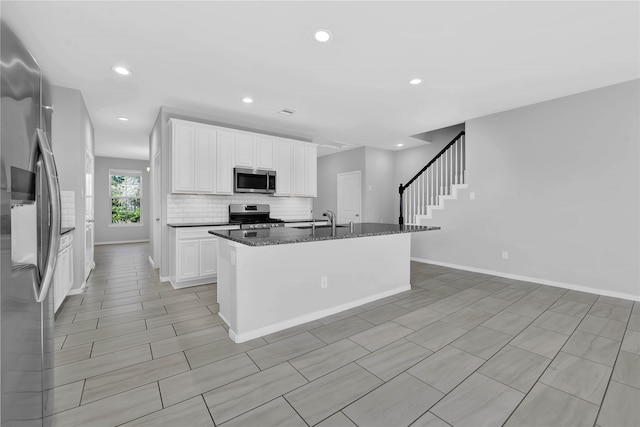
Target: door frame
339, 189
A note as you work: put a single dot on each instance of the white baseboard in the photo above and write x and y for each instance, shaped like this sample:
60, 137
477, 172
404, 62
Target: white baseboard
553, 283
196, 282
270, 329
121, 242
78, 291
165, 279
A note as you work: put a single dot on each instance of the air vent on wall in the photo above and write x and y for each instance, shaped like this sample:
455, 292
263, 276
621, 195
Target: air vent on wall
286, 111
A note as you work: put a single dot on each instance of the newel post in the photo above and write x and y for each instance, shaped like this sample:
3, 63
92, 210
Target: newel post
401, 218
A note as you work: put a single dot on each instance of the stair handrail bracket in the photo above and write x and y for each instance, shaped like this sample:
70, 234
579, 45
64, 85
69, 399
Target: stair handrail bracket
435, 179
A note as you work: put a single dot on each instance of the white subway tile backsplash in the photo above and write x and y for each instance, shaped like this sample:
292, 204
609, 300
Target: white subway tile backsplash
188, 208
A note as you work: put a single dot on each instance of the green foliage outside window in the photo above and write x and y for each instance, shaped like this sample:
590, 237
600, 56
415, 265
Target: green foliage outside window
126, 191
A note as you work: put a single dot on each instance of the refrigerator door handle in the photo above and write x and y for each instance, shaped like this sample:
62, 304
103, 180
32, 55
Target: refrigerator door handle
54, 204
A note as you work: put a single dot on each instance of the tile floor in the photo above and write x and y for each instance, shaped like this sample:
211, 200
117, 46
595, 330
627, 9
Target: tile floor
460, 349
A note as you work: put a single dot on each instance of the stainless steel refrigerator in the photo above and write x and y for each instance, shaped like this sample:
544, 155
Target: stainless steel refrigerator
30, 236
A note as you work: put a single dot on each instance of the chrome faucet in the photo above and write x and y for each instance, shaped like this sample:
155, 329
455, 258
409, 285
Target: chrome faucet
332, 219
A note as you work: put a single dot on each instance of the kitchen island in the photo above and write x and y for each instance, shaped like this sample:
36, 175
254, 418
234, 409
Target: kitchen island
275, 278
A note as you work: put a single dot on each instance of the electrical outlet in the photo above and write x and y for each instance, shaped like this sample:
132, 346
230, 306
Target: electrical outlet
324, 282
505, 255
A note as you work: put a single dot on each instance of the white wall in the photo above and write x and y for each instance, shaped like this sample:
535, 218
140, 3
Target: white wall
328, 169
378, 186
557, 186
104, 232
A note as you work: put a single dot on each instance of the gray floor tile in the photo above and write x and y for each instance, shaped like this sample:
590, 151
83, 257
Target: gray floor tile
243, 395
420, 318
188, 305
197, 324
557, 322
219, 350
627, 369
592, 347
630, 342
187, 341
104, 333
467, 318
525, 286
615, 301
429, 420
490, 305
132, 340
491, 286
72, 372
328, 358
283, 350
604, 327
130, 300
397, 402
509, 323
578, 296
208, 377
124, 379
115, 319
436, 335
449, 305
72, 354
570, 308
169, 300
610, 311
527, 308
482, 342
168, 319
326, 395
276, 413
540, 341
63, 398
130, 405
337, 420
634, 322
542, 296
94, 314
509, 294
472, 294
545, 406
75, 309
516, 368
389, 361
192, 413
341, 315
74, 328
446, 368
289, 332
415, 302
620, 406
379, 336
383, 314
478, 401
579, 377
340, 329
90, 299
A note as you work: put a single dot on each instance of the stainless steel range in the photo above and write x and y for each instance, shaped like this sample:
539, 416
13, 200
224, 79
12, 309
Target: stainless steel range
253, 216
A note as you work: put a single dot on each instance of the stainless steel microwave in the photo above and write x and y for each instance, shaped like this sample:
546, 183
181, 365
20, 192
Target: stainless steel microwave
254, 181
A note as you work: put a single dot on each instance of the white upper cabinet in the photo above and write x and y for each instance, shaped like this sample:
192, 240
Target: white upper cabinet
264, 146
193, 155
244, 150
254, 151
283, 167
203, 158
224, 162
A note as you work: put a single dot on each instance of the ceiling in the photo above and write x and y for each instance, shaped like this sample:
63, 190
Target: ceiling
476, 58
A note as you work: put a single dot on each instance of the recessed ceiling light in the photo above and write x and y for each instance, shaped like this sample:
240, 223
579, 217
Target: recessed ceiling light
123, 119
415, 81
322, 36
122, 70
399, 145
247, 100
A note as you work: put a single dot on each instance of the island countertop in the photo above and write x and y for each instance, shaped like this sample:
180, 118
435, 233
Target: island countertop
287, 235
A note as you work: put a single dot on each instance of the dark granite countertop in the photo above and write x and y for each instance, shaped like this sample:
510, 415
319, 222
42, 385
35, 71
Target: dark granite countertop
65, 230
200, 224
284, 235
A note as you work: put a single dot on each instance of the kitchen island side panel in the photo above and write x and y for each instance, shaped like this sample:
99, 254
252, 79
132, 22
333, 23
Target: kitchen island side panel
270, 288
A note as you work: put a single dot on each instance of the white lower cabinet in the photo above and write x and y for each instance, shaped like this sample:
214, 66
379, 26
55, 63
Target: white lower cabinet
194, 259
63, 274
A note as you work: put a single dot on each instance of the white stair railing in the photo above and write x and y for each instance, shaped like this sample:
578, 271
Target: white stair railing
436, 179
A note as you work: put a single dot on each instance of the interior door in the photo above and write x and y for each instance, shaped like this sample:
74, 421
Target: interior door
155, 207
349, 197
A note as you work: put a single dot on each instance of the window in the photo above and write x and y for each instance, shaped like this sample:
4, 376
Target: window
126, 194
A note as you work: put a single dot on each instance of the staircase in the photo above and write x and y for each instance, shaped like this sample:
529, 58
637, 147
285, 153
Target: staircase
438, 181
